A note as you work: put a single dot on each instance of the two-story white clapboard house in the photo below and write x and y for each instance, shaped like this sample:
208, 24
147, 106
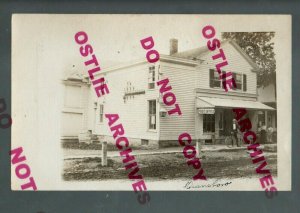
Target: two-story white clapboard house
206, 108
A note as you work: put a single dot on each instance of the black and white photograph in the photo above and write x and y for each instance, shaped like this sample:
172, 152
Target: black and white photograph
106, 103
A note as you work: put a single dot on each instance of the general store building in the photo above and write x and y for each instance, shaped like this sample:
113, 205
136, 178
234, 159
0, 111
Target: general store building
206, 108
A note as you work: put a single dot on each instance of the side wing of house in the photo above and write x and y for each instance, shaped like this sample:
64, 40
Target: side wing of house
75, 105
133, 96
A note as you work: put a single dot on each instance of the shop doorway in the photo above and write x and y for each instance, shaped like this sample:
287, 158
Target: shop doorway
228, 117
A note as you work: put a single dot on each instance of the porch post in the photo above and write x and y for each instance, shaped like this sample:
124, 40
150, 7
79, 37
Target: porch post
266, 118
104, 154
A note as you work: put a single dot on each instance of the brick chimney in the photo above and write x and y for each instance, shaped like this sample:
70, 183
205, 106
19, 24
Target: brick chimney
173, 46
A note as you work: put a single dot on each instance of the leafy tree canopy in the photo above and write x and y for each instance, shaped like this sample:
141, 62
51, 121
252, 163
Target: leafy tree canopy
260, 48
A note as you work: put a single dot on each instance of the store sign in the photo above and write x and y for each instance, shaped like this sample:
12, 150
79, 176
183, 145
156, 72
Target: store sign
206, 111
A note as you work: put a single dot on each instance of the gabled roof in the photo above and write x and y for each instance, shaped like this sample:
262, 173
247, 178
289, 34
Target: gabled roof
245, 55
196, 53
190, 58
166, 58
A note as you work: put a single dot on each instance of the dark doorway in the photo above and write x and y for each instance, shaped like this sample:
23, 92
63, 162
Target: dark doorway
228, 117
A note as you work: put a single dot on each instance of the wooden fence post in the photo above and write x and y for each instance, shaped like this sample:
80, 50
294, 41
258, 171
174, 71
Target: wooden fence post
104, 154
198, 148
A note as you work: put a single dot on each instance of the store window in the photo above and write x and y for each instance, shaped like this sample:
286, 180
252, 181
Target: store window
208, 123
221, 121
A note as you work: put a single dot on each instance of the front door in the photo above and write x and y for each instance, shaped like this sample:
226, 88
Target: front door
228, 117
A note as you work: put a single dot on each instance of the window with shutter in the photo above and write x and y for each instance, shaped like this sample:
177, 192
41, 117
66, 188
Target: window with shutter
214, 80
238, 81
244, 82
211, 78
234, 77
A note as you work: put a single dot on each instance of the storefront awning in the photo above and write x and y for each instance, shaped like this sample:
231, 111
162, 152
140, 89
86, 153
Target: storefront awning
206, 102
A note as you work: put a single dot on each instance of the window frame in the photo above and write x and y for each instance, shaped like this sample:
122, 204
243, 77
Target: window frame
211, 123
216, 78
235, 74
151, 77
152, 127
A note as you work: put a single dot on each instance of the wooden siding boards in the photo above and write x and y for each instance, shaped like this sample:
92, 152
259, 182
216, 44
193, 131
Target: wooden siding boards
236, 63
134, 111
188, 81
182, 80
74, 112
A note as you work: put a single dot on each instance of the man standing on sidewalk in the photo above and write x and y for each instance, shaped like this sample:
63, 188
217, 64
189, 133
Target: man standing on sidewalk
234, 133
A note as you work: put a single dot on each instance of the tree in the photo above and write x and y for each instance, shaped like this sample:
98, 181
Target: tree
260, 48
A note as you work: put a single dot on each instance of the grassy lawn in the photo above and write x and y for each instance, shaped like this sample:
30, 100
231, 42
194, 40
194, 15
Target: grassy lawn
217, 164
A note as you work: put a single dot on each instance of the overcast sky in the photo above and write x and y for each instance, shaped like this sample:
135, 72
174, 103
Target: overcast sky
116, 38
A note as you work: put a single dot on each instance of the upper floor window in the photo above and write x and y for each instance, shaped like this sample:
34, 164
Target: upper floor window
151, 77
215, 82
238, 80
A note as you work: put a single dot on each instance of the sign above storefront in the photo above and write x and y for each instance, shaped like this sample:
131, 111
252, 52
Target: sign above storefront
206, 111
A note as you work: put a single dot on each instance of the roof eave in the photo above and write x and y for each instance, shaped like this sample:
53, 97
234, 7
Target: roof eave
248, 59
179, 60
164, 58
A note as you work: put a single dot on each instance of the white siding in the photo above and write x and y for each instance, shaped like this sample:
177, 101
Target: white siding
72, 96
74, 119
72, 124
182, 80
134, 112
236, 63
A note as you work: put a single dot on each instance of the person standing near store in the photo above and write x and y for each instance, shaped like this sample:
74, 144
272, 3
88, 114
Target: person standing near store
234, 132
269, 135
263, 134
